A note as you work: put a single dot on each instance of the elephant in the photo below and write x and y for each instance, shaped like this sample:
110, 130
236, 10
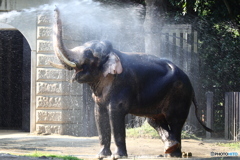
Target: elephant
129, 83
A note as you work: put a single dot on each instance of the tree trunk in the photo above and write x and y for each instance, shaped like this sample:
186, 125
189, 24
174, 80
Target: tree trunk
154, 21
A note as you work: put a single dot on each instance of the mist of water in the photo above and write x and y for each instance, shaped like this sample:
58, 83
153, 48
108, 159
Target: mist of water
8, 17
88, 20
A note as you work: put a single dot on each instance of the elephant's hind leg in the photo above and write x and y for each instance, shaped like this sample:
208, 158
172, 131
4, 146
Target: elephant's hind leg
172, 146
175, 151
176, 125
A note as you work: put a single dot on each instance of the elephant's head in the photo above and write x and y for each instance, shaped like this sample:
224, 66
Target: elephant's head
91, 61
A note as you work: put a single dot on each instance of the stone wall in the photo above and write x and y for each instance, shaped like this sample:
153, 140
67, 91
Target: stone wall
58, 102
57, 106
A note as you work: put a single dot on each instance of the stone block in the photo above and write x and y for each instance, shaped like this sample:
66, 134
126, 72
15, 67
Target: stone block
44, 32
49, 102
54, 88
49, 129
62, 129
44, 46
46, 74
52, 116
58, 88
59, 102
58, 116
45, 19
43, 60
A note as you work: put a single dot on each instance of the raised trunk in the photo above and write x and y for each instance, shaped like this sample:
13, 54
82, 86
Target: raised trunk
60, 50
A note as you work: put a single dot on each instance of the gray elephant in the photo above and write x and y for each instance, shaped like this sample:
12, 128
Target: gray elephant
122, 83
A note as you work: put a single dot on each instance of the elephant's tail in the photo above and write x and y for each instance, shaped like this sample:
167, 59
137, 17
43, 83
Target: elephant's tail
196, 112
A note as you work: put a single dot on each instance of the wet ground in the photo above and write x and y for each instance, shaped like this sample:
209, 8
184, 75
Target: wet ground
20, 143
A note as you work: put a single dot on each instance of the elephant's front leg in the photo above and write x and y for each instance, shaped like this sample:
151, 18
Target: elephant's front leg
117, 121
104, 131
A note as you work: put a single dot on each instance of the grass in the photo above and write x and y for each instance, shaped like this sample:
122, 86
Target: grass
187, 135
64, 157
146, 131
234, 145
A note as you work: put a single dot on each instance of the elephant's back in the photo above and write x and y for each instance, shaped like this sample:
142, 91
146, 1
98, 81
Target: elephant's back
152, 79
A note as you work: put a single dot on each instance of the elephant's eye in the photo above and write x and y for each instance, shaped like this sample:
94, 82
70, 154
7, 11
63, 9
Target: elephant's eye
88, 53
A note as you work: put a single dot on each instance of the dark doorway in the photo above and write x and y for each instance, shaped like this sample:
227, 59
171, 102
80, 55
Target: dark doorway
15, 56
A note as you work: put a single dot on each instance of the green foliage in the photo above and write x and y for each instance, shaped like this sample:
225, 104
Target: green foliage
64, 157
220, 58
146, 131
187, 135
234, 145
218, 27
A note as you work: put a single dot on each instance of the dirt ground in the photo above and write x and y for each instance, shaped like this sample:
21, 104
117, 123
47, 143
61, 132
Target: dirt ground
84, 147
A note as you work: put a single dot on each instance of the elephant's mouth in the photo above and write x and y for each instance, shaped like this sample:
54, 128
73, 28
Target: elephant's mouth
79, 70
75, 74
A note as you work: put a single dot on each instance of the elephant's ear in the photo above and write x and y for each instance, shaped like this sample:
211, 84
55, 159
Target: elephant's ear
113, 65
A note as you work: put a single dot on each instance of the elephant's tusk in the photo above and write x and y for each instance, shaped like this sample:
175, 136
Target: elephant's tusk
59, 66
63, 58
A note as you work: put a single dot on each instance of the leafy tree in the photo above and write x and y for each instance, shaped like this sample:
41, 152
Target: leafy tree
218, 25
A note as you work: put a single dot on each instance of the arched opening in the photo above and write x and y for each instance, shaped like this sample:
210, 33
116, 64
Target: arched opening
15, 60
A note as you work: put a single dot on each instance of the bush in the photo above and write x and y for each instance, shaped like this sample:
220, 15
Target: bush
146, 131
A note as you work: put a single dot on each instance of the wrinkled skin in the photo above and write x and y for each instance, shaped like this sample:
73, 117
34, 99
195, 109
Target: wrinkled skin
124, 83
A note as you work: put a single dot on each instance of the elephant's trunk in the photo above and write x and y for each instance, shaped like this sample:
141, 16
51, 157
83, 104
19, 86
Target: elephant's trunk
60, 50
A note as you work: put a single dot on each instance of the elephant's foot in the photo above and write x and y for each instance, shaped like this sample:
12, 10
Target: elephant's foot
120, 154
173, 149
176, 153
104, 153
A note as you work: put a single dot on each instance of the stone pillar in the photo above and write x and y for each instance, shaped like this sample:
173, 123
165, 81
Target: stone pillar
58, 102
209, 122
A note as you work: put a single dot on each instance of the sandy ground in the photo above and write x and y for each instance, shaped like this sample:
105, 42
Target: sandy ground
84, 147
